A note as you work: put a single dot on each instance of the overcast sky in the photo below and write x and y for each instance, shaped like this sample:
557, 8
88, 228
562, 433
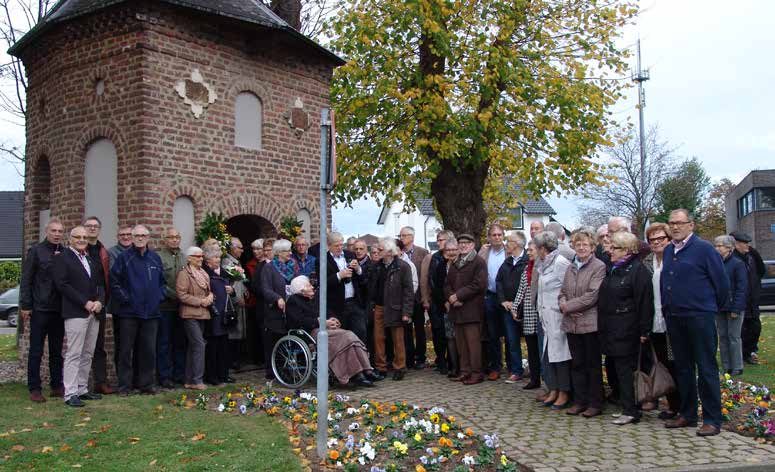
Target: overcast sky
710, 93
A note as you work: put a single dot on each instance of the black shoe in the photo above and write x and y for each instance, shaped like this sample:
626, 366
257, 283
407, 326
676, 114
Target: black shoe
531, 386
148, 391
167, 384
419, 366
667, 415
399, 375
230, 380
361, 380
381, 373
373, 375
74, 401
453, 373
124, 392
90, 396
443, 371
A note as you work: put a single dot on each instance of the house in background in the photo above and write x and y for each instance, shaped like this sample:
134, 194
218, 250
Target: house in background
426, 224
11, 221
750, 208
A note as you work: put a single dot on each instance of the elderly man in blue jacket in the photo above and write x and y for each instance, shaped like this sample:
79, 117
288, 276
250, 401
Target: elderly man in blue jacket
137, 288
694, 288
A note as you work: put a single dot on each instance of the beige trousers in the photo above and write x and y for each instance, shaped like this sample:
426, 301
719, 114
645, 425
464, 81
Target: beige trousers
81, 338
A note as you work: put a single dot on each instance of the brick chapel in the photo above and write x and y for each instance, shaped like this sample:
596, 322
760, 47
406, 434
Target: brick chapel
160, 111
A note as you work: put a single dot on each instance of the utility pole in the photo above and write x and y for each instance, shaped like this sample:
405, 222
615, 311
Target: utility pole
641, 76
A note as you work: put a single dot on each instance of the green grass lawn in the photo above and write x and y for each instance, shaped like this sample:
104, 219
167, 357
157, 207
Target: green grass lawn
138, 433
8, 351
764, 372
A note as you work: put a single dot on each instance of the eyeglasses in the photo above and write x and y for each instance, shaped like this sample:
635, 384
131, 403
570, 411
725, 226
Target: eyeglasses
124, 235
79, 238
139, 235
172, 237
678, 223
618, 248
91, 226
657, 239
198, 256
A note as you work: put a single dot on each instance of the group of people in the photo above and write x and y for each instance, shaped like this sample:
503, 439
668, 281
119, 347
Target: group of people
185, 317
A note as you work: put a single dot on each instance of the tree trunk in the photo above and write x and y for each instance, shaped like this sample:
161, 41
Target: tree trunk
458, 195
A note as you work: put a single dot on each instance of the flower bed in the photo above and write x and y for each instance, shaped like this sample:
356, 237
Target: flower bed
746, 409
366, 435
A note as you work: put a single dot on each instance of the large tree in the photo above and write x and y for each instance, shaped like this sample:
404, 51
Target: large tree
623, 194
685, 188
451, 96
712, 212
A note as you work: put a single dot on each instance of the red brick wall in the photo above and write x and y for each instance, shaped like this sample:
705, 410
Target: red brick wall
141, 50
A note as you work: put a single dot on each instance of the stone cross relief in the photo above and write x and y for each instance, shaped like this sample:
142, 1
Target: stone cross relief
196, 93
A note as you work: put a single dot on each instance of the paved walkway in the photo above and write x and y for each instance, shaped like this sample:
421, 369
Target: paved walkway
547, 441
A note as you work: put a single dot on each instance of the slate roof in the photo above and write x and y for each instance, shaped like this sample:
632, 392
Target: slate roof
250, 11
11, 222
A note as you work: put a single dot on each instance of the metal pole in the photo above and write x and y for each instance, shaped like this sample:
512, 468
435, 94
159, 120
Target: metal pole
322, 341
641, 77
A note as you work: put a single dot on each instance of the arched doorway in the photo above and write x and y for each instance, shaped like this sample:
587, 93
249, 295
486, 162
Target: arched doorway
248, 228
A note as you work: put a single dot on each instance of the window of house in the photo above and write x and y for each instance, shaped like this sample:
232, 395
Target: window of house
247, 121
515, 218
745, 204
765, 198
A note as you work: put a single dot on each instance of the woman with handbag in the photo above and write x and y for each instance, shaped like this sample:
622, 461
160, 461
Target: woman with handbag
658, 239
192, 287
217, 329
625, 316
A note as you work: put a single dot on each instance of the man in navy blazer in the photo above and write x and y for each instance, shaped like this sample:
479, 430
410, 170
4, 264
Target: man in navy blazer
345, 286
82, 287
694, 288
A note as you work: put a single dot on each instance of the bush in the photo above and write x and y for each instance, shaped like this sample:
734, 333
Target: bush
10, 274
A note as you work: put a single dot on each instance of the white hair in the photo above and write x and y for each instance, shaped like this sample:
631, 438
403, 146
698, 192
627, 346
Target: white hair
556, 229
519, 238
257, 244
408, 229
389, 245
298, 283
280, 245
622, 221
334, 237
193, 251
234, 242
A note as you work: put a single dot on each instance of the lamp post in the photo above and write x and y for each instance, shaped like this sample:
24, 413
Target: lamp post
322, 341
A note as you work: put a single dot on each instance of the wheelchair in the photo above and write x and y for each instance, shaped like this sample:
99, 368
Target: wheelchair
294, 358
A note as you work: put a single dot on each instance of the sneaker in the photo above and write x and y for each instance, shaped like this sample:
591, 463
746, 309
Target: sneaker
74, 401
625, 419
90, 396
493, 376
513, 378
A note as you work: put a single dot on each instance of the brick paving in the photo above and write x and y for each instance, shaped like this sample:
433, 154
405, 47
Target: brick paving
543, 440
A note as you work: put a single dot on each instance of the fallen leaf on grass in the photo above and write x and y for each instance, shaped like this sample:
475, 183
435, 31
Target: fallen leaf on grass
80, 425
65, 448
198, 436
87, 418
26, 430
91, 443
105, 428
158, 408
77, 466
47, 425
218, 441
18, 448
134, 440
153, 462
46, 449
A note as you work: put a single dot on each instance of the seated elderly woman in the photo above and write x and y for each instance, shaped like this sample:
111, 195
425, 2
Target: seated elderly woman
348, 358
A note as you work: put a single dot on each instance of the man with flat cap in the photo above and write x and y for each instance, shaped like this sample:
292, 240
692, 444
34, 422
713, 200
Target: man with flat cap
752, 325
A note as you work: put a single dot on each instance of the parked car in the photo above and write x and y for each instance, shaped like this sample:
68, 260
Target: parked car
9, 306
767, 301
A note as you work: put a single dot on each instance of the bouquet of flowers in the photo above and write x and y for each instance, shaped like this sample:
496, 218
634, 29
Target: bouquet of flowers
290, 227
213, 227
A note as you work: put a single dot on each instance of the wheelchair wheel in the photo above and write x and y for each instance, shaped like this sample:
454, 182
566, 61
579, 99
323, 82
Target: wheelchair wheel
292, 361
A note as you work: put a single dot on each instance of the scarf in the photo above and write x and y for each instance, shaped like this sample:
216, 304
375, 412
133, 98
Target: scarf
463, 260
623, 262
200, 277
285, 269
529, 270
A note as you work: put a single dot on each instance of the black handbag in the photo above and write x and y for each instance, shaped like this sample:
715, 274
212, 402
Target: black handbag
229, 314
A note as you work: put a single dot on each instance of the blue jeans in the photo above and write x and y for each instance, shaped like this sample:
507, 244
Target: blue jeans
693, 339
514, 353
170, 347
500, 324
